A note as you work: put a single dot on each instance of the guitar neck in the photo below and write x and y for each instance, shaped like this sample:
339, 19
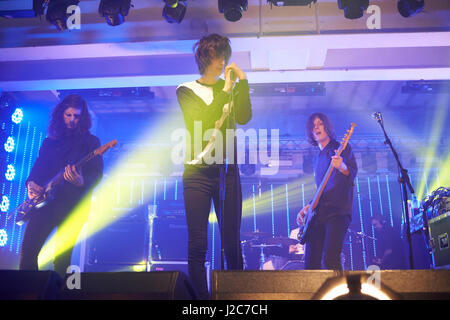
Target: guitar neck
320, 189
79, 164
322, 185
85, 159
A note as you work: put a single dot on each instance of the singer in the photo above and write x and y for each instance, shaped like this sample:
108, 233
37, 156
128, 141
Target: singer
207, 100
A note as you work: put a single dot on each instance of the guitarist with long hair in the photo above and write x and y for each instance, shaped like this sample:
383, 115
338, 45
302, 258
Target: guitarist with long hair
333, 211
68, 140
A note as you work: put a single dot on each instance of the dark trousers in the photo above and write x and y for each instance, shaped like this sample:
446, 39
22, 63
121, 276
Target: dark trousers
199, 187
325, 242
39, 227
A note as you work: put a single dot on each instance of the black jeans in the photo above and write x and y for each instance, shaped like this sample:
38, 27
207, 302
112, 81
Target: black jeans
200, 185
326, 241
39, 227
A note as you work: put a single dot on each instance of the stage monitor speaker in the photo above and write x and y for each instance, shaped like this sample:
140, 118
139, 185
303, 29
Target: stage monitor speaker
130, 286
29, 285
303, 284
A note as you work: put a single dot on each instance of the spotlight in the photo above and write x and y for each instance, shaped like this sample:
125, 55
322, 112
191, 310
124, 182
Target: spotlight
173, 11
408, 8
57, 12
232, 9
10, 172
3, 237
17, 116
354, 287
353, 9
4, 206
9, 144
114, 11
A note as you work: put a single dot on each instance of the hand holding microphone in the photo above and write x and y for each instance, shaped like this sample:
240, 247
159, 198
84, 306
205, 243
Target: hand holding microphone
232, 72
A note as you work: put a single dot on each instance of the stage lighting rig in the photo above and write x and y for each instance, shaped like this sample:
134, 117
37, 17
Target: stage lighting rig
353, 9
57, 12
114, 11
292, 3
408, 8
232, 9
174, 11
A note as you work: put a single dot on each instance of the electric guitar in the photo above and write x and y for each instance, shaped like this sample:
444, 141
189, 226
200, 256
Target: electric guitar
310, 215
49, 189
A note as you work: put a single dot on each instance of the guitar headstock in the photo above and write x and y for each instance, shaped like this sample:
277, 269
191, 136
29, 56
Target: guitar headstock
347, 136
101, 150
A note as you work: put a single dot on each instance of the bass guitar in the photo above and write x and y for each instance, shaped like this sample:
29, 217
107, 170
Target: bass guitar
310, 215
49, 189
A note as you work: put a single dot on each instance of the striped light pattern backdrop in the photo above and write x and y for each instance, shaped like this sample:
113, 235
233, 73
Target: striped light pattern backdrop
27, 136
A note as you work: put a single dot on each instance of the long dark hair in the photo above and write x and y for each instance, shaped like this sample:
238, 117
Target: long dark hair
326, 123
209, 47
57, 128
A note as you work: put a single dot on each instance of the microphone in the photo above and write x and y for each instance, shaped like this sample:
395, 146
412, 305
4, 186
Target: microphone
376, 116
232, 76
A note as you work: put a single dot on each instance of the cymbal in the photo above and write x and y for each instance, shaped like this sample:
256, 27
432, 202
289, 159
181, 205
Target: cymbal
281, 241
256, 234
265, 245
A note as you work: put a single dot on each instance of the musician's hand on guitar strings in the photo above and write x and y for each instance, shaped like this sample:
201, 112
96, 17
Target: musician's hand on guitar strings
73, 176
301, 215
338, 163
34, 190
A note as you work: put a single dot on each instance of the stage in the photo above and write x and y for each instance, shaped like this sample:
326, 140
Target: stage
225, 285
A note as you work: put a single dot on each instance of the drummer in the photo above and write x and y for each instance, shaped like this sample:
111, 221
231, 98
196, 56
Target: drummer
296, 251
295, 248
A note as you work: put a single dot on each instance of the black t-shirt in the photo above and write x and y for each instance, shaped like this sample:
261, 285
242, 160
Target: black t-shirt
337, 197
205, 103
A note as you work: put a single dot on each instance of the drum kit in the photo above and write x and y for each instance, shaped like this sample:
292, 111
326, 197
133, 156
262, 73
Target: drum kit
262, 251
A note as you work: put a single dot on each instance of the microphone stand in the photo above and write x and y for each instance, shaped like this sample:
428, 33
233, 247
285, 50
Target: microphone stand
223, 170
404, 181
222, 176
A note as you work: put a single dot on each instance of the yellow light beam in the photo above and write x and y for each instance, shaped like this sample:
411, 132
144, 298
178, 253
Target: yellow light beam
263, 204
440, 116
106, 190
444, 175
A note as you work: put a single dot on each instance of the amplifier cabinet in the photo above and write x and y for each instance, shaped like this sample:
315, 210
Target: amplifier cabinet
168, 238
121, 243
439, 228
